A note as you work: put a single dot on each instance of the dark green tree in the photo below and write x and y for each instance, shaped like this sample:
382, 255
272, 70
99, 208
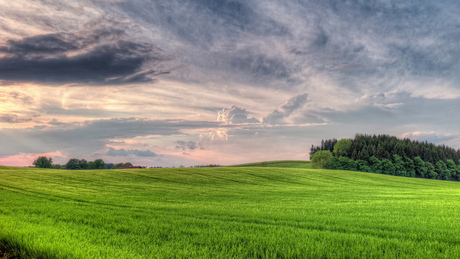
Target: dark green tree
452, 167
99, 164
375, 165
83, 164
73, 164
321, 159
430, 171
335, 164
410, 167
342, 148
362, 166
443, 172
387, 167
43, 162
398, 163
347, 164
420, 167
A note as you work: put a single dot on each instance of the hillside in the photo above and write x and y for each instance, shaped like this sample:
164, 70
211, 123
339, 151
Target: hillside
226, 212
281, 163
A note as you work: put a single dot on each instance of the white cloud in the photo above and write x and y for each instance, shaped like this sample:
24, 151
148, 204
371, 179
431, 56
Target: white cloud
235, 115
430, 137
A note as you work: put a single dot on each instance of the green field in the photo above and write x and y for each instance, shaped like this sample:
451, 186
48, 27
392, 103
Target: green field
226, 212
283, 163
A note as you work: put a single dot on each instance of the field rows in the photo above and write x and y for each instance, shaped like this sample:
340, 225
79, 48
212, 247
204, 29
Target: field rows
226, 212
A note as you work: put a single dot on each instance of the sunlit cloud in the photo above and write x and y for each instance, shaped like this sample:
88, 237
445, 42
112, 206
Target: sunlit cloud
222, 82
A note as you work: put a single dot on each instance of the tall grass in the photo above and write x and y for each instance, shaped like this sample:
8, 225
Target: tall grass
226, 213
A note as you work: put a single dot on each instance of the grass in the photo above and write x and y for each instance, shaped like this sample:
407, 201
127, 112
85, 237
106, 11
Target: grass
284, 163
226, 212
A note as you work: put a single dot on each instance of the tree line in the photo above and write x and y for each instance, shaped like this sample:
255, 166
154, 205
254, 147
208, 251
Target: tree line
78, 164
388, 155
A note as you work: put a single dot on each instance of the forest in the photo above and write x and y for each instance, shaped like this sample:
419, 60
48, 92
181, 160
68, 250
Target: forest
388, 155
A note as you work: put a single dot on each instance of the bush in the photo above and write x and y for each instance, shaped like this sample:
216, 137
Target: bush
321, 159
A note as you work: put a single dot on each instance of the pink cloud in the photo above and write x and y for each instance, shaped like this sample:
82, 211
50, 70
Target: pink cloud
26, 159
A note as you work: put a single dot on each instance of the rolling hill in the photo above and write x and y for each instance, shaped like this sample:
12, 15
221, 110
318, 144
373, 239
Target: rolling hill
226, 212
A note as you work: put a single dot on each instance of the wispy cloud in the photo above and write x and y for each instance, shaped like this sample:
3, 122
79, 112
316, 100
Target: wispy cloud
275, 74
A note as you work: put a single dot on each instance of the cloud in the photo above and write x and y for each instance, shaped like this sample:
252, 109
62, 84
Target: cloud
123, 152
11, 118
430, 137
26, 159
183, 145
215, 136
235, 115
100, 56
278, 116
80, 139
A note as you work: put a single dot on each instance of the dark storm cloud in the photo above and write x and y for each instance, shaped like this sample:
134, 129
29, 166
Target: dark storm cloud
100, 56
282, 44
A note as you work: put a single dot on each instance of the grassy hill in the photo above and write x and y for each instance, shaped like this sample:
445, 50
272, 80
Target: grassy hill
283, 163
226, 212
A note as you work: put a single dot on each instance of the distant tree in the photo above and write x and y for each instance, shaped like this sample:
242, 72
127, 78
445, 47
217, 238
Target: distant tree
73, 164
321, 159
128, 164
404, 157
452, 167
91, 165
387, 167
375, 164
43, 162
342, 148
335, 164
83, 164
441, 169
410, 167
420, 167
398, 163
347, 164
327, 144
99, 164
362, 166
430, 171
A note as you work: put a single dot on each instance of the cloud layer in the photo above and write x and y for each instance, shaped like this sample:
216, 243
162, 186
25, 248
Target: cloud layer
96, 56
279, 76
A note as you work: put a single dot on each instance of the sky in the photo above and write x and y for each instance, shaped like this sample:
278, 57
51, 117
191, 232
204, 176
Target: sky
196, 82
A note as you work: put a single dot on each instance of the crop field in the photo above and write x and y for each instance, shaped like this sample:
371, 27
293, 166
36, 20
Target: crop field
284, 163
226, 212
